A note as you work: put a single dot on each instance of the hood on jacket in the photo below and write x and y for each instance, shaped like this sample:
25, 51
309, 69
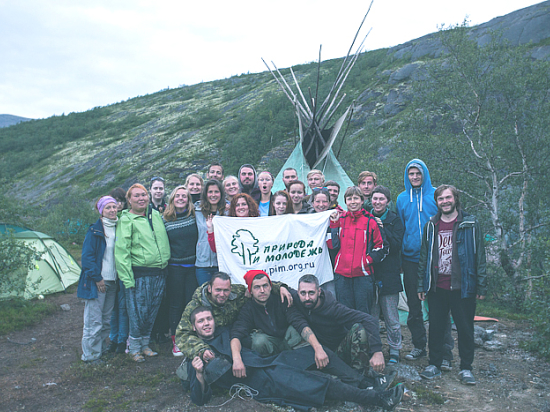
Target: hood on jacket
255, 177
425, 188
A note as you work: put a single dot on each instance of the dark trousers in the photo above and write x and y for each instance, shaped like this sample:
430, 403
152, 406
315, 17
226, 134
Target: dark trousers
181, 283
463, 311
356, 293
415, 321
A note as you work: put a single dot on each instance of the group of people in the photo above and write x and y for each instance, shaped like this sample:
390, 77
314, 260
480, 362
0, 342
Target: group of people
145, 254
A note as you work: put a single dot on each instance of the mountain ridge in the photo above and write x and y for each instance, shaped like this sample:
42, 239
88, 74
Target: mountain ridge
243, 119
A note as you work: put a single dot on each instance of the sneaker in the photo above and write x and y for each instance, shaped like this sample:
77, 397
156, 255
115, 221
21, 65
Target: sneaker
467, 377
176, 351
137, 357
416, 354
446, 365
394, 357
383, 382
149, 352
430, 372
390, 399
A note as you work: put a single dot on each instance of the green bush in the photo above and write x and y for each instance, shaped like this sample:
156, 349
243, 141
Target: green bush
67, 221
15, 259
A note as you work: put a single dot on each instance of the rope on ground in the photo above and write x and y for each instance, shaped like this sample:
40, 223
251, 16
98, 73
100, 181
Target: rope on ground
238, 390
22, 343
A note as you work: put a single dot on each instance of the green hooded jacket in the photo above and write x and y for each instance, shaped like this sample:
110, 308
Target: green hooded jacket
137, 245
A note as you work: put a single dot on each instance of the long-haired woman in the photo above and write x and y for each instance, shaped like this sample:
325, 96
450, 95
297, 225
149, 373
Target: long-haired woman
181, 282
242, 205
281, 204
212, 203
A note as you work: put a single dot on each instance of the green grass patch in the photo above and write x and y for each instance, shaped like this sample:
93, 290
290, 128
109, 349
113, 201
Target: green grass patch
428, 396
17, 314
493, 309
106, 399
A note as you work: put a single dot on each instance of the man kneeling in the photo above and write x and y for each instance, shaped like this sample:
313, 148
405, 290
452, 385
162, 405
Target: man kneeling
283, 379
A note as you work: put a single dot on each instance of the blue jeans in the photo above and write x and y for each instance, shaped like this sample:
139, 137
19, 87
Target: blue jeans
119, 317
356, 293
204, 274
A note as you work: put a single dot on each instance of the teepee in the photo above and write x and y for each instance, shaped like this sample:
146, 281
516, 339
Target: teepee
314, 150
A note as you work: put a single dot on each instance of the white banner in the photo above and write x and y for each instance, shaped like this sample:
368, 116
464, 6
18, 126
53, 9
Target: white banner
286, 247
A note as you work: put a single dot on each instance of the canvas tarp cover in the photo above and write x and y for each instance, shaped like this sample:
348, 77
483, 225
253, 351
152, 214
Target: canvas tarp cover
330, 167
54, 272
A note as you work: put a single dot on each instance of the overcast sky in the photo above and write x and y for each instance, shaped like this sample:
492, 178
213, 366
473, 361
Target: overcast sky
62, 56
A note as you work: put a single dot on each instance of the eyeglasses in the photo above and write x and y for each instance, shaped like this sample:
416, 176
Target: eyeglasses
154, 179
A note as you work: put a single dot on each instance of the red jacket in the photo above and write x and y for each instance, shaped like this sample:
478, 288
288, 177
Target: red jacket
361, 244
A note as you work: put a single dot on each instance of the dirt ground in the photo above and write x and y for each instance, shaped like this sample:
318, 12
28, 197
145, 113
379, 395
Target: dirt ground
40, 370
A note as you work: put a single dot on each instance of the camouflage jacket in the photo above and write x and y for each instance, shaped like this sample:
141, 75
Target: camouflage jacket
187, 340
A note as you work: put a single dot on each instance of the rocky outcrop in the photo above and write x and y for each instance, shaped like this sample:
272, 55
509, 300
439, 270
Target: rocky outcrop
531, 24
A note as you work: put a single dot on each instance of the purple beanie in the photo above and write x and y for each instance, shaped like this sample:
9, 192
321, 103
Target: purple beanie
102, 202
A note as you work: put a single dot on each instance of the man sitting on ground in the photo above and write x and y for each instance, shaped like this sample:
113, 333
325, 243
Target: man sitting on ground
269, 326
225, 300
352, 334
282, 379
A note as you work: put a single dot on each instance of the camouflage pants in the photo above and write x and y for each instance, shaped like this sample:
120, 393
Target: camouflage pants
354, 349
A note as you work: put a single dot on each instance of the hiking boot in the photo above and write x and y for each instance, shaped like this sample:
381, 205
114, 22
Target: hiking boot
176, 351
430, 372
112, 347
390, 399
467, 377
137, 357
416, 354
121, 347
446, 365
149, 352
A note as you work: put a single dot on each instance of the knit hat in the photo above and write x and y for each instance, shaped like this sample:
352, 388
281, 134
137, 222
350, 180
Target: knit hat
419, 167
251, 274
103, 201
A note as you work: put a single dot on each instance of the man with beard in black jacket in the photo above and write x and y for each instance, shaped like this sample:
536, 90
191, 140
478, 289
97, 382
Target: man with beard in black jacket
352, 334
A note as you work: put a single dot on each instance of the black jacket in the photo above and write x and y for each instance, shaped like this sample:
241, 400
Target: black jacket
282, 379
331, 321
272, 319
387, 274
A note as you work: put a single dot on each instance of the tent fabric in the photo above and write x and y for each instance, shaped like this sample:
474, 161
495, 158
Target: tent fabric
54, 272
330, 167
6, 227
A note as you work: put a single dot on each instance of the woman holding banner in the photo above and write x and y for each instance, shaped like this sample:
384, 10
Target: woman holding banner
281, 204
242, 205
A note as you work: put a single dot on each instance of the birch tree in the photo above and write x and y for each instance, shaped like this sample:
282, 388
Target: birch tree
486, 112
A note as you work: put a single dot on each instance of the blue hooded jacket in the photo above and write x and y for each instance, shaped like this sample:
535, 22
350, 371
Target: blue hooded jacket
415, 207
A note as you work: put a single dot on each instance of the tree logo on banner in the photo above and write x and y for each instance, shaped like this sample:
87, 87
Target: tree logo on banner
246, 246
